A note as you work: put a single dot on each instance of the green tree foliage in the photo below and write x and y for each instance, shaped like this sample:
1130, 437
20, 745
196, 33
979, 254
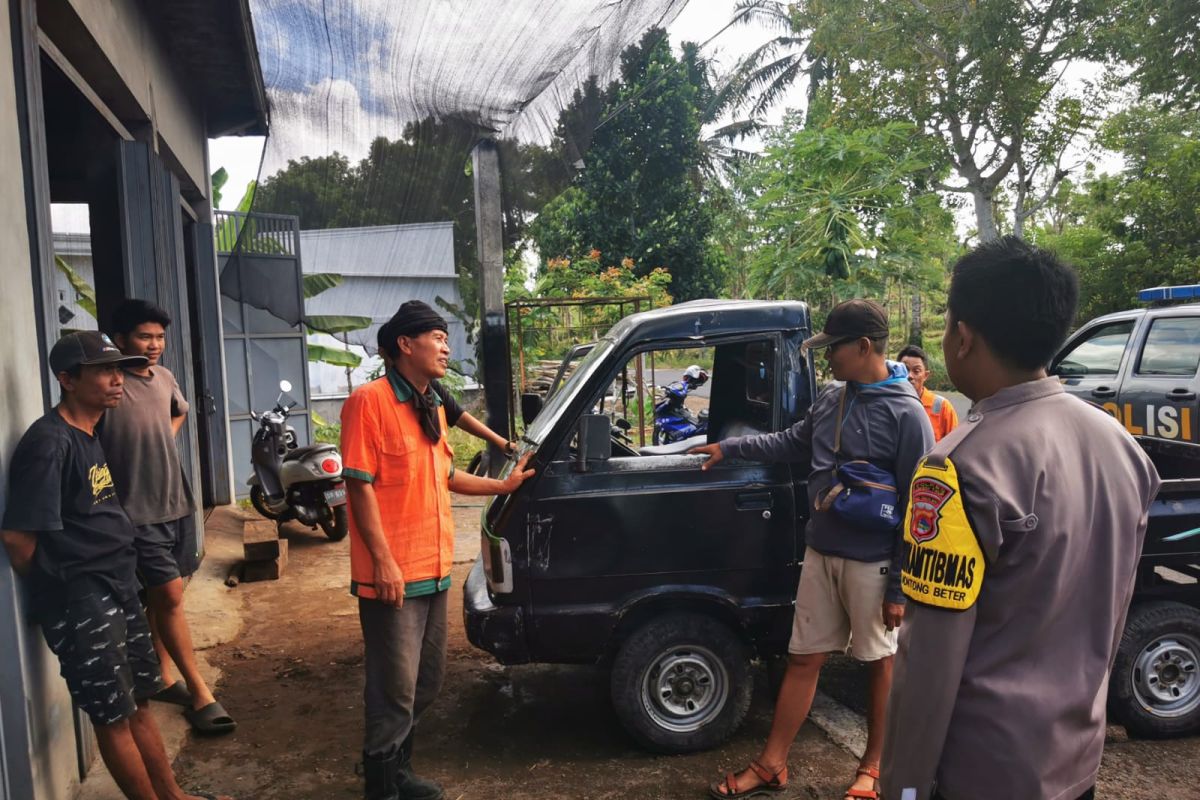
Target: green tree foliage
219, 179
1160, 39
837, 213
550, 331
765, 74
639, 195
85, 295
1141, 227
980, 79
422, 177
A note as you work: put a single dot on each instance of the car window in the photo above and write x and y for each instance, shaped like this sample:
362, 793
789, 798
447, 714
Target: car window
556, 405
760, 372
673, 402
1172, 347
688, 397
1099, 353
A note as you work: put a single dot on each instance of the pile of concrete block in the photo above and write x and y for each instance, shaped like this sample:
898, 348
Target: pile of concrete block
265, 553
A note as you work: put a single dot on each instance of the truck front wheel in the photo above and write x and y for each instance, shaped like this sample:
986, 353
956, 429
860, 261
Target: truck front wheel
1154, 690
682, 683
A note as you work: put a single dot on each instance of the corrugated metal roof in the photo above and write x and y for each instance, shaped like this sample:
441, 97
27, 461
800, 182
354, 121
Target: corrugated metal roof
424, 250
378, 298
73, 244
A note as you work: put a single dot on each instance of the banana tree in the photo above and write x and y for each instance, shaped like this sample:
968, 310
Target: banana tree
85, 295
333, 324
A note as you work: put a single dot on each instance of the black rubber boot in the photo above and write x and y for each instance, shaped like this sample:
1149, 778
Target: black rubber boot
409, 785
382, 774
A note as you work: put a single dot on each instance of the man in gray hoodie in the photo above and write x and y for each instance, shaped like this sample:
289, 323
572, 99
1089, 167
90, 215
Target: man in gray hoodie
849, 597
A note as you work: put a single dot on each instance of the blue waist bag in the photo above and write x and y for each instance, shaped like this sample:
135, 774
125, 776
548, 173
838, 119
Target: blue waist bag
864, 496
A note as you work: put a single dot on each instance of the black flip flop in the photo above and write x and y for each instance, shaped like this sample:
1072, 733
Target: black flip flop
213, 718
177, 693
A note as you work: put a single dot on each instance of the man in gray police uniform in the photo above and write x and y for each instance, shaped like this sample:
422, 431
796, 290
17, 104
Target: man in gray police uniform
1022, 538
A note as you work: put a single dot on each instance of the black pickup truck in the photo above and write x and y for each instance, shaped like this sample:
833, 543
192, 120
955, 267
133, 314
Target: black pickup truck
630, 556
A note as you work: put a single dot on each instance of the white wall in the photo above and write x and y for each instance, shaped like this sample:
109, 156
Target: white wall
35, 709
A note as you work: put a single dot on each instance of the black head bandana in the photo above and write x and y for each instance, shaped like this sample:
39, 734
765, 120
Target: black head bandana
412, 319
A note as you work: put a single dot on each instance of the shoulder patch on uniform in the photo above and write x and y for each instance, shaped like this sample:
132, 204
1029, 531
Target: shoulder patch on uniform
943, 564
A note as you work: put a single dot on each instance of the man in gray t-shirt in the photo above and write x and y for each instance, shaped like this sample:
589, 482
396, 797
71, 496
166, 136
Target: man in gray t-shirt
139, 440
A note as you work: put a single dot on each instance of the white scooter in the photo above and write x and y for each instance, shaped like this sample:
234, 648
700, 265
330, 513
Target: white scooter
290, 482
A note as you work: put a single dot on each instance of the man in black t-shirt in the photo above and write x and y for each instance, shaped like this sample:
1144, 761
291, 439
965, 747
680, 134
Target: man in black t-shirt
65, 530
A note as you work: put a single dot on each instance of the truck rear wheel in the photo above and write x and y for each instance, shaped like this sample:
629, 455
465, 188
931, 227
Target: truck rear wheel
1154, 690
682, 683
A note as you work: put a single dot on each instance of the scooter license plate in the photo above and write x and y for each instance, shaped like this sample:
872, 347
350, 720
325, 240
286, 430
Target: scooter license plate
336, 497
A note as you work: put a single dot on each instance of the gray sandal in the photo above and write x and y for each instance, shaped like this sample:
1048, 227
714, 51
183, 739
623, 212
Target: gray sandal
177, 694
213, 718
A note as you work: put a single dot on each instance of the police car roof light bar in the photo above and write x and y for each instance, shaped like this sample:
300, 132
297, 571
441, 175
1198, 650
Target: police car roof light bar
1161, 294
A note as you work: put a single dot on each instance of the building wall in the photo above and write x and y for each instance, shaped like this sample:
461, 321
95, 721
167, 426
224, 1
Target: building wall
35, 709
122, 32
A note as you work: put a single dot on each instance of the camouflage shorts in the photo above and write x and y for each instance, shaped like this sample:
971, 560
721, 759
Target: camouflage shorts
102, 641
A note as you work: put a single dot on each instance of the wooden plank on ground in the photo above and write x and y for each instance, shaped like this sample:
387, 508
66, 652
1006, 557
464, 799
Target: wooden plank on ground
269, 570
260, 540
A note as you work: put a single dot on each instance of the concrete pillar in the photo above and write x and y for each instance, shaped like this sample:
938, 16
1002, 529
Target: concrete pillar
489, 244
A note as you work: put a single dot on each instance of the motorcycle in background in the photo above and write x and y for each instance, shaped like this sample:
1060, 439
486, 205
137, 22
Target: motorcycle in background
291, 482
674, 421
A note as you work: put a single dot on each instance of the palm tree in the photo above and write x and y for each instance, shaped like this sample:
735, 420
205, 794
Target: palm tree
717, 95
765, 74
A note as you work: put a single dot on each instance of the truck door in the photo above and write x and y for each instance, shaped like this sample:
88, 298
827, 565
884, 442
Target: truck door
1158, 395
649, 523
1091, 364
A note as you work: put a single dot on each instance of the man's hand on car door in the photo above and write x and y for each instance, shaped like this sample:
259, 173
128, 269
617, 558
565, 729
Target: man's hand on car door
713, 451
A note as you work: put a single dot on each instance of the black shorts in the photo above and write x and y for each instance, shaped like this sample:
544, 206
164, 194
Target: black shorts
166, 551
104, 651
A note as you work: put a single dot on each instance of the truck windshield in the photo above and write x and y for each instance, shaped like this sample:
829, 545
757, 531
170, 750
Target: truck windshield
555, 406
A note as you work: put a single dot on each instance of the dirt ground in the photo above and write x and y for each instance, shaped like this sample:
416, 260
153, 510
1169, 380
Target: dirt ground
293, 679
1131, 769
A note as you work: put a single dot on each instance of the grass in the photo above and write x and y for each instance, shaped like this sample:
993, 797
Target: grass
465, 447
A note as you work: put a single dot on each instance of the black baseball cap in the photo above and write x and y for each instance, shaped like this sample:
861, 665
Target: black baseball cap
852, 319
89, 349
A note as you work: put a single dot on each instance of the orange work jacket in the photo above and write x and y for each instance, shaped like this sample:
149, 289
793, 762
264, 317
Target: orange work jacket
942, 415
382, 444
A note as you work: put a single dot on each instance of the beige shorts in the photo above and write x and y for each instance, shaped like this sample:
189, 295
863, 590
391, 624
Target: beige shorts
839, 608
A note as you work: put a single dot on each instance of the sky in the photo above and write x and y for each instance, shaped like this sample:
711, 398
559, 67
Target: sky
241, 155
306, 85
698, 21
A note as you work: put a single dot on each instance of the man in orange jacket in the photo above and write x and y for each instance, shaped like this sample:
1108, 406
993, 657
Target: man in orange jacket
942, 415
399, 472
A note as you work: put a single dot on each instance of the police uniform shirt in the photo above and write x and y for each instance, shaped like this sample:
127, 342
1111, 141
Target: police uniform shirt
1023, 535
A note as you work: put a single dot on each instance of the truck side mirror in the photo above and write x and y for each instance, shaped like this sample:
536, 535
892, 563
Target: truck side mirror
531, 406
593, 441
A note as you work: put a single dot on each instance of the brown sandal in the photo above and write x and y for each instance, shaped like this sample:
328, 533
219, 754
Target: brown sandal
865, 794
770, 784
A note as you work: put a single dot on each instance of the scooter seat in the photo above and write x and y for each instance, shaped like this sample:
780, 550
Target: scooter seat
674, 448
310, 450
